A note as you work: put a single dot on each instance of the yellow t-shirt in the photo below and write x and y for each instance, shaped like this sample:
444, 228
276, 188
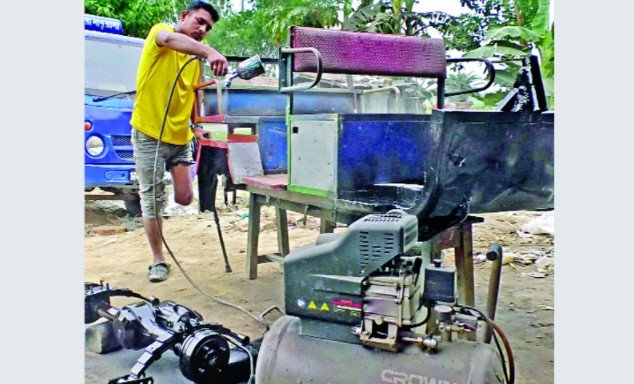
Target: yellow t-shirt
155, 77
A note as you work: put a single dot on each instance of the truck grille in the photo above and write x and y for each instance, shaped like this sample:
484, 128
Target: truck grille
122, 146
121, 140
125, 154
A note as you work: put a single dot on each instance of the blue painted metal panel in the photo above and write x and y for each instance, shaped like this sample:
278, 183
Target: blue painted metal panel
272, 138
269, 102
111, 122
386, 148
96, 175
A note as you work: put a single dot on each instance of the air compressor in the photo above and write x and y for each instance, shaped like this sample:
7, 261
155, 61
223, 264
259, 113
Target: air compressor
369, 305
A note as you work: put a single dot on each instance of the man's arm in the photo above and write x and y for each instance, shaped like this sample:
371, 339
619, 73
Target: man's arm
185, 44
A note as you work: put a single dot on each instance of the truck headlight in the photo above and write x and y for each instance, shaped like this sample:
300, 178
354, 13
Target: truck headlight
94, 146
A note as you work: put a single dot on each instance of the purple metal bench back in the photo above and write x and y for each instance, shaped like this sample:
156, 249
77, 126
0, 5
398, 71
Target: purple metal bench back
369, 53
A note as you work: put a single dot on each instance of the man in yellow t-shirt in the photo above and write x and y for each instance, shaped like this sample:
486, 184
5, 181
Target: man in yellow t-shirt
165, 52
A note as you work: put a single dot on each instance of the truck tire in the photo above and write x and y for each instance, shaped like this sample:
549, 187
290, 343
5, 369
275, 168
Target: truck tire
133, 204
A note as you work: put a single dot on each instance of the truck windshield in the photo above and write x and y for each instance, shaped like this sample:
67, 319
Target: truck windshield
110, 67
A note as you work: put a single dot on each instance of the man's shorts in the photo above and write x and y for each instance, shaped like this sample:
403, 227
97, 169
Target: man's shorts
145, 157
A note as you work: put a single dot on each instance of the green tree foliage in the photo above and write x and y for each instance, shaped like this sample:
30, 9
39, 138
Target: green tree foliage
264, 28
462, 81
493, 28
524, 20
241, 34
463, 32
393, 17
261, 30
382, 16
529, 28
514, 38
138, 16
307, 13
468, 30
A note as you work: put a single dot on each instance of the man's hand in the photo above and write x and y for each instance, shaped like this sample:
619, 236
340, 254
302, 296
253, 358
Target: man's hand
200, 133
217, 63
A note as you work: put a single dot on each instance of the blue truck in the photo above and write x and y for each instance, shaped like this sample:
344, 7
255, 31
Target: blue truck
111, 60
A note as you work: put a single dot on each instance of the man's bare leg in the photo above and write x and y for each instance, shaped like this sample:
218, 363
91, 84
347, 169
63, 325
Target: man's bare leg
183, 195
154, 238
183, 192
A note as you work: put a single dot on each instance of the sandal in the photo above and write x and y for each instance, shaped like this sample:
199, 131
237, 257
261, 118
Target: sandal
158, 272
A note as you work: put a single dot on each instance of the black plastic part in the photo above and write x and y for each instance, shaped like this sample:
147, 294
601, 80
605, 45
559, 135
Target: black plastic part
96, 297
494, 252
440, 283
538, 84
418, 263
213, 162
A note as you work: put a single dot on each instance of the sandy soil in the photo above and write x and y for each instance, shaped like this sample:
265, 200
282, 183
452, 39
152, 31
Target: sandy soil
525, 308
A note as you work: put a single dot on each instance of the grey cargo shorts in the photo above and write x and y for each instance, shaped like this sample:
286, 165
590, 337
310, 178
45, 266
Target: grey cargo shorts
144, 158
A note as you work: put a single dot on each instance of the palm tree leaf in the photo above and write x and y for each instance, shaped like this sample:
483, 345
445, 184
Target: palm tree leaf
362, 16
540, 23
548, 54
504, 33
505, 77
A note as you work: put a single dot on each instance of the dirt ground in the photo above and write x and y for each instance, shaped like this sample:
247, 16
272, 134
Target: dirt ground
525, 308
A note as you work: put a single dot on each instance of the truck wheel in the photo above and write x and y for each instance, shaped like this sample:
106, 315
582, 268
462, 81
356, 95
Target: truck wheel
133, 205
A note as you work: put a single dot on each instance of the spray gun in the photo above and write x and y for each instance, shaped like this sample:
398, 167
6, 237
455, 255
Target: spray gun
247, 70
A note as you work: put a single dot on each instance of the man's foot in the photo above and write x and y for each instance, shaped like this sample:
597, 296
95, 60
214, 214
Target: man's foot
158, 272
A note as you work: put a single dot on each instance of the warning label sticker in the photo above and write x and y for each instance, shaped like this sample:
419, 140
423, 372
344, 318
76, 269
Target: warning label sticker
324, 307
312, 305
347, 306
